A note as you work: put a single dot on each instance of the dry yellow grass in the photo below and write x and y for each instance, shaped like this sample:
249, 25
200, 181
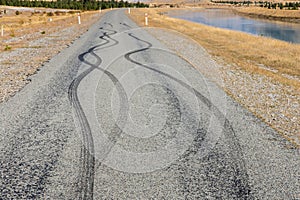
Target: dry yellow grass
271, 12
243, 50
282, 15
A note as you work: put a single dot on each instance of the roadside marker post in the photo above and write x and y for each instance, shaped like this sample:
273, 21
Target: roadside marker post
128, 10
100, 10
79, 20
146, 19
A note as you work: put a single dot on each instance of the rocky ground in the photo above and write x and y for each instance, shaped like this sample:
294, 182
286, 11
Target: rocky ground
275, 103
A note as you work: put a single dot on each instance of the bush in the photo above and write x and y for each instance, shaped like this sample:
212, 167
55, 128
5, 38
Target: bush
18, 12
7, 48
50, 14
281, 6
57, 13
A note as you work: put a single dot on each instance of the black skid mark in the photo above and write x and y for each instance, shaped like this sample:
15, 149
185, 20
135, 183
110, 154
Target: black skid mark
241, 186
87, 154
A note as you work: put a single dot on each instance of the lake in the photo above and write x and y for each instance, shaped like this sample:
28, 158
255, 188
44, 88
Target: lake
223, 18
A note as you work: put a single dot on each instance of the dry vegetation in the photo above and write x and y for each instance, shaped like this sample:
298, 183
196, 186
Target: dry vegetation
276, 61
275, 14
16, 26
271, 12
30, 40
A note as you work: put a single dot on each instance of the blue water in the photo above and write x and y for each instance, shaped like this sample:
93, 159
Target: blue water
226, 19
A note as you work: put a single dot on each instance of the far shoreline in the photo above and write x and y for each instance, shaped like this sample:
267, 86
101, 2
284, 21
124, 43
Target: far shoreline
290, 16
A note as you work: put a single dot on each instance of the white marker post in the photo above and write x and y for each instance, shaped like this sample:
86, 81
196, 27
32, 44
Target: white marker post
79, 21
2, 31
128, 10
146, 19
100, 10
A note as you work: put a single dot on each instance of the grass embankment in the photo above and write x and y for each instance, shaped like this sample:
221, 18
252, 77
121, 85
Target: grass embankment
272, 14
257, 56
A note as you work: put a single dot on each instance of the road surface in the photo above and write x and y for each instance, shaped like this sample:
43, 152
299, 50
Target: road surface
119, 116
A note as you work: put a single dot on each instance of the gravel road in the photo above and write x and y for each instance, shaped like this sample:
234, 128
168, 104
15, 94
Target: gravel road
117, 115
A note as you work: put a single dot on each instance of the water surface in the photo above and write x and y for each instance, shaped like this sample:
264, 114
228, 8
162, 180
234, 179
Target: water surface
227, 19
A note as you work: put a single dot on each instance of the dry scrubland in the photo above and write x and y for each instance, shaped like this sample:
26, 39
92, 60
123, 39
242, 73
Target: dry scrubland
30, 39
262, 74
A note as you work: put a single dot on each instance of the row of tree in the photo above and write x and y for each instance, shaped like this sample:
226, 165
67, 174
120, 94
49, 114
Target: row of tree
265, 4
73, 4
234, 2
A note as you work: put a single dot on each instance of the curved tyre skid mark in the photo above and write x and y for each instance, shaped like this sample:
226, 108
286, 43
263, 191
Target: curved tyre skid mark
87, 154
241, 177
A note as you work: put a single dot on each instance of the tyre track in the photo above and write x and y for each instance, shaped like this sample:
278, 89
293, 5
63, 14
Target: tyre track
86, 182
241, 179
